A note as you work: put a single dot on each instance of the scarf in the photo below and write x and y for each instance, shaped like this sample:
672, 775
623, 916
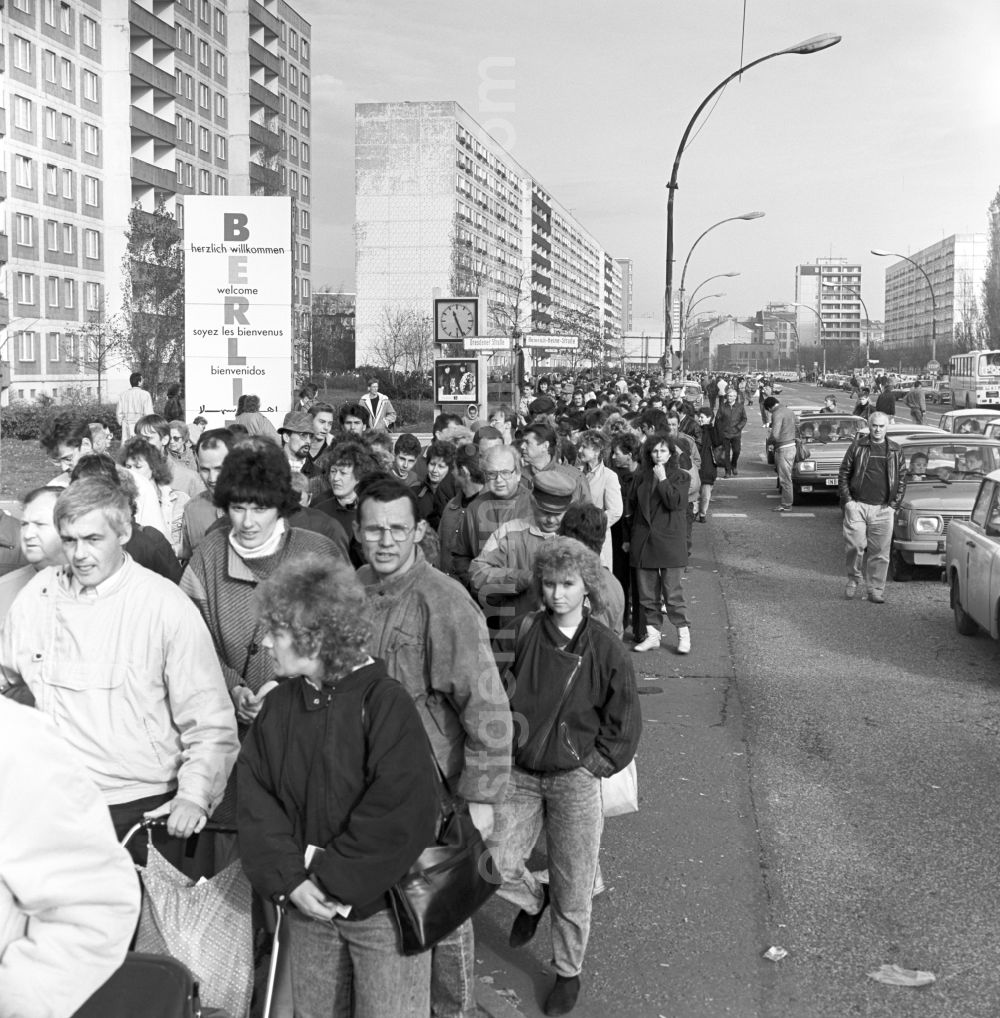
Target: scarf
269, 547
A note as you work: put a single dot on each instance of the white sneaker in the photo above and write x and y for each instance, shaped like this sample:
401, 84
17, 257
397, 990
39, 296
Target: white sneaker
652, 641
684, 640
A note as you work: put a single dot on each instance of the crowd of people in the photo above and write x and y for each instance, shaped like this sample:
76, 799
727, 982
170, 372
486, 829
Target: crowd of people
460, 613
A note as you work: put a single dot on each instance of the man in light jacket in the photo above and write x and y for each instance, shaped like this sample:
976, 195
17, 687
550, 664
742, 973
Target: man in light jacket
381, 415
69, 897
783, 437
133, 404
120, 659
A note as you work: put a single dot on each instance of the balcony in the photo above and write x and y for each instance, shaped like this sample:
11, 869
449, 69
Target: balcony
151, 25
152, 75
265, 97
146, 173
265, 58
152, 126
268, 20
4, 249
4, 311
266, 138
270, 180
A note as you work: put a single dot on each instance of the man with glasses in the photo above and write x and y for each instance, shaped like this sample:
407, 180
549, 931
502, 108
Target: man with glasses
434, 641
871, 487
65, 441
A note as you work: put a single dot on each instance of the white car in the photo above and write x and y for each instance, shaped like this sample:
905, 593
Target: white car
971, 421
972, 563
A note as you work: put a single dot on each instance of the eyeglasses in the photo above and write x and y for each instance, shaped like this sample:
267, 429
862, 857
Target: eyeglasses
497, 475
397, 532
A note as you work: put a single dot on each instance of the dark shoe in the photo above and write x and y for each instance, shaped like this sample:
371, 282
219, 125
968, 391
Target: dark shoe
736, 473
701, 517
729, 473
563, 997
877, 598
525, 924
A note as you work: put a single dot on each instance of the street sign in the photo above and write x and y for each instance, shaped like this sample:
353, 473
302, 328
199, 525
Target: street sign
549, 341
871, 361
476, 343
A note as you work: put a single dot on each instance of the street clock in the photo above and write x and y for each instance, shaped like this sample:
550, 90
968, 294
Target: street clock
455, 319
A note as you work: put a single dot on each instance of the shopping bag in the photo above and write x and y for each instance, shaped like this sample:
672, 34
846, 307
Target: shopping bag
620, 792
206, 925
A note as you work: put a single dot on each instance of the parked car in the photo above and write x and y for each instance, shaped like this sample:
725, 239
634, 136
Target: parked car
972, 556
971, 421
798, 409
823, 439
937, 392
939, 489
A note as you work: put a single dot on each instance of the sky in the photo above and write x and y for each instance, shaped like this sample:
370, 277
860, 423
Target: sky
887, 140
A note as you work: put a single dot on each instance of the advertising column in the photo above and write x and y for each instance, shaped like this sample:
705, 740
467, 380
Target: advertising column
238, 305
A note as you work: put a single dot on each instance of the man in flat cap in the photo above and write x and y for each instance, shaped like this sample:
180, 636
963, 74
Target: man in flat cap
500, 576
296, 433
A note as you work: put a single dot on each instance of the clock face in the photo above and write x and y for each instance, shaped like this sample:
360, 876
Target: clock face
456, 319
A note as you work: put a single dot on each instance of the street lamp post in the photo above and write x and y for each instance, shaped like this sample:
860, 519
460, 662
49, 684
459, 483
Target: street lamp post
878, 252
814, 45
868, 330
680, 314
819, 318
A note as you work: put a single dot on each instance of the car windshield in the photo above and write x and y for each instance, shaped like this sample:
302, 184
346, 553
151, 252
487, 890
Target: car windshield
948, 461
973, 424
822, 430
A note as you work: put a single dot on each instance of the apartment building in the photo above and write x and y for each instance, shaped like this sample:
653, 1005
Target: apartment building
441, 206
956, 267
625, 265
828, 311
117, 103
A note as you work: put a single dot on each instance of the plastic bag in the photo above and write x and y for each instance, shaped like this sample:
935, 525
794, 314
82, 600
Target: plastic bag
620, 792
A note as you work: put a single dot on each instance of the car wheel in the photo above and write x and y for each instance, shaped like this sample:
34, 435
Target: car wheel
899, 569
964, 623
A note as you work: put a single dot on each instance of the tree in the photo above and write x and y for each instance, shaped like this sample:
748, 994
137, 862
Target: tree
991, 284
332, 331
405, 341
152, 313
585, 322
970, 330
100, 340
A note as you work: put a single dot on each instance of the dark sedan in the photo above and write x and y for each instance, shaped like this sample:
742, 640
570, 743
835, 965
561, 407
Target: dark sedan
822, 441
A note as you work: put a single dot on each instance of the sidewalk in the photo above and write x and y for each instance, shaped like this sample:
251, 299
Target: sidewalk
681, 929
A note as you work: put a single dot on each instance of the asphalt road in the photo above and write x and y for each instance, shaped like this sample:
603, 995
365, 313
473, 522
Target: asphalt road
819, 775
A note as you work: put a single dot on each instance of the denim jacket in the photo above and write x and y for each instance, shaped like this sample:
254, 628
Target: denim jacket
433, 640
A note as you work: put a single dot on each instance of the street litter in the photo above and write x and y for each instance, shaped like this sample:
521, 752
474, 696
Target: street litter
895, 975
775, 953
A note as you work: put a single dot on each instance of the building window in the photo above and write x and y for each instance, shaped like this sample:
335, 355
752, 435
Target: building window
22, 113
92, 244
188, 86
52, 291
204, 182
305, 84
304, 220
293, 111
293, 40
51, 235
23, 5
90, 86
293, 180
180, 82
91, 139
305, 186
65, 19
54, 343
188, 42
221, 185
220, 63
204, 96
306, 289
68, 189
293, 76
220, 147
22, 53
179, 171
179, 127
51, 123
50, 13
304, 255
25, 346
69, 238
189, 131
24, 229
305, 119
204, 139
66, 72
283, 139
91, 191
205, 12
189, 175
93, 296
293, 147
282, 68
305, 153
220, 105
220, 21
305, 49
25, 288
23, 174
204, 53
67, 129
49, 60
69, 293
51, 179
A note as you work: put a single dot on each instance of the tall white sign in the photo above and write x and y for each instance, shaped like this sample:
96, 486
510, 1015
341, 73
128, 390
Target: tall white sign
237, 305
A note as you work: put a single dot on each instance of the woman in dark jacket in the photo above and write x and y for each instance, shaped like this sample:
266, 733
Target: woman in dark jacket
708, 472
345, 465
572, 687
657, 531
337, 797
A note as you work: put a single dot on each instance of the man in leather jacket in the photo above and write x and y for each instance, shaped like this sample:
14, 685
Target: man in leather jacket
871, 486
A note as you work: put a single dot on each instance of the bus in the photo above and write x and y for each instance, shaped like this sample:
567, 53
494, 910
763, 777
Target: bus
975, 379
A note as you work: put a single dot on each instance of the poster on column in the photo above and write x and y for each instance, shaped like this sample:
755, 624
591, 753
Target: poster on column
237, 305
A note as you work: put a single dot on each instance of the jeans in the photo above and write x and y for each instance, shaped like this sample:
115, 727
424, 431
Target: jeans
658, 587
870, 526
784, 458
453, 975
568, 804
692, 510
357, 969
917, 414
704, 498
731, 449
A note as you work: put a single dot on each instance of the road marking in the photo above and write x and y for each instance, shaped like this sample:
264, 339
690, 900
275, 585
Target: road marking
720, 497
772, 496
729, 516
802, 516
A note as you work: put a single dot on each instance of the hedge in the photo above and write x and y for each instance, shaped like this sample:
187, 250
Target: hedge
26, 420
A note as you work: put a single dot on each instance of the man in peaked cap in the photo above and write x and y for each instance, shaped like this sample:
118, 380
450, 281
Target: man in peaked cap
500, 576
296, 433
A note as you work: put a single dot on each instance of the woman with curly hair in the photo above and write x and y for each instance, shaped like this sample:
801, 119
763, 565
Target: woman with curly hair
572, 688
337, 796
141, 457
344, 466
602, 483
254, 488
